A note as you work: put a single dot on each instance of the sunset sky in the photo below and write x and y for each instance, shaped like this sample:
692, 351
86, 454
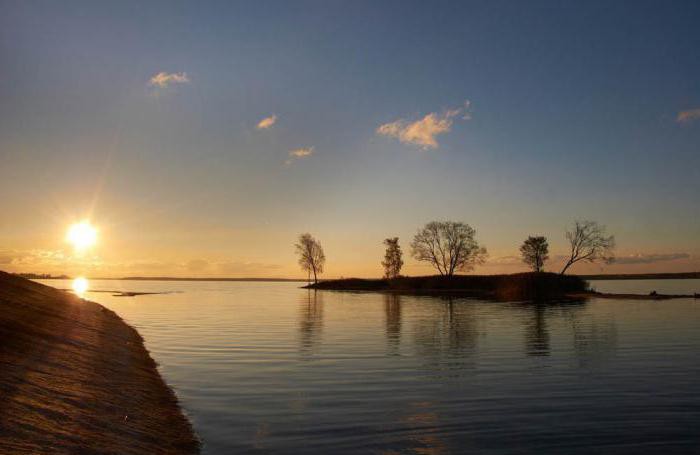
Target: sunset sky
202, 138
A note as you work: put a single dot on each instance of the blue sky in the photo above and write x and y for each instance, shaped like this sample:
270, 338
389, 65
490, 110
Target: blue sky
573, 113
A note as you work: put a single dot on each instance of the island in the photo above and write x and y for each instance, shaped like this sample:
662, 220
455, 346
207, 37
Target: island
530, 286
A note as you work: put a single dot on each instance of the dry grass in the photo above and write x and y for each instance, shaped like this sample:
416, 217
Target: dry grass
74, 378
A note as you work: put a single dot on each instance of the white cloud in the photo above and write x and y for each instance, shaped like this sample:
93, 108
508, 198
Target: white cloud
163, 79
423, 132
267, 122
467, 110
688, 116
300, 153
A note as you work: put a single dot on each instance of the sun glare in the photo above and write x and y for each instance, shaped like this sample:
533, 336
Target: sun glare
82, 235
80, 285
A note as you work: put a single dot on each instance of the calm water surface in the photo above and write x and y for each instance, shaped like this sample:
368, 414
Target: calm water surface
270, 368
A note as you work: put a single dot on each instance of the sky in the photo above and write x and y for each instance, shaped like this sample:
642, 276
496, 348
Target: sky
201, 138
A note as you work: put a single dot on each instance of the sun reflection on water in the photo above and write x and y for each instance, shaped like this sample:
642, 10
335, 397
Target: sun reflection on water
80, 286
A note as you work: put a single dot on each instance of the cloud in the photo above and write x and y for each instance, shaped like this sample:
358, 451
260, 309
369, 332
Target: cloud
504, 261
467, 110
7, 257
245, 268
300, 153
423, 132
650, 258
267, 122
46, 261
688, 116
164, 80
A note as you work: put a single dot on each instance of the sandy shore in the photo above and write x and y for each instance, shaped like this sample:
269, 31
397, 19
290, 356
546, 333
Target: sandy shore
75, 378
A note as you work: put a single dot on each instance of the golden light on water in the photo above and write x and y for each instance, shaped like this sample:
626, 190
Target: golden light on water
80, 285
82, 235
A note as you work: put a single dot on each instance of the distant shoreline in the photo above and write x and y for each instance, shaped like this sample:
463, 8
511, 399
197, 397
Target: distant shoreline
644, 276
531, 286
164, 278
598, 277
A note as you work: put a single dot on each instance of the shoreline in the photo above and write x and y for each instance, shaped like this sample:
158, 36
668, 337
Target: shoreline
610, 295
539, 286
513, 287
472, 294
75, 378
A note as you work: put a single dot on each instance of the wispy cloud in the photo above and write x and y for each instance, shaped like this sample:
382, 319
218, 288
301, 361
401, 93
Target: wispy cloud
504, 261
267, 122
423, 132
467, 113
241, 268
45, 261
164, 80
231, 268
688, 115
650, 258
300, 153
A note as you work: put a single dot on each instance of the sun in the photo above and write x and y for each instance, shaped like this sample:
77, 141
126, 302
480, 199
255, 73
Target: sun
82, 235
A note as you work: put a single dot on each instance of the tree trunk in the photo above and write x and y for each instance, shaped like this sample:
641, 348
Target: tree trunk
566, 267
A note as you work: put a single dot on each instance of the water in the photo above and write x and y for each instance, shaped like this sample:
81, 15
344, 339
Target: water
677, 287
270, 368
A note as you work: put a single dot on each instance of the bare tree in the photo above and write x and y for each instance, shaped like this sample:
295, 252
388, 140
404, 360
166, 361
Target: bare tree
392, 258
535, 251
311, 257
589, 242
448, 246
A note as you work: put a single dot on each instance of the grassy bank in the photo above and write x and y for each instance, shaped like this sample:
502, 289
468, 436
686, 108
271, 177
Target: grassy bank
519, 286
74, 378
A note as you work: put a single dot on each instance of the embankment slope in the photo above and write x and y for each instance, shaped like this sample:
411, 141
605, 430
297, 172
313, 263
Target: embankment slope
75, 378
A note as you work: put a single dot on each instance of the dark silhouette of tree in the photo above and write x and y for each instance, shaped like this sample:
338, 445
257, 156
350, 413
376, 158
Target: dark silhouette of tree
535, 251
589, 242
311, 257
392, 258
448, 246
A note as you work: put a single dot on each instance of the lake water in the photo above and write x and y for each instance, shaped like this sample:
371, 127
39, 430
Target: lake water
270, 368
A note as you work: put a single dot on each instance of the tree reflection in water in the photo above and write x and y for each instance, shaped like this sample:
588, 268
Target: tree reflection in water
536, 333
592, 338
310, 321
392, 311
447, 338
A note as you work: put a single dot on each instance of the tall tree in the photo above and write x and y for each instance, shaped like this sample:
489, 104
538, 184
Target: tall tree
448, 246
311, 257
392, 258
588, 242
535, 252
